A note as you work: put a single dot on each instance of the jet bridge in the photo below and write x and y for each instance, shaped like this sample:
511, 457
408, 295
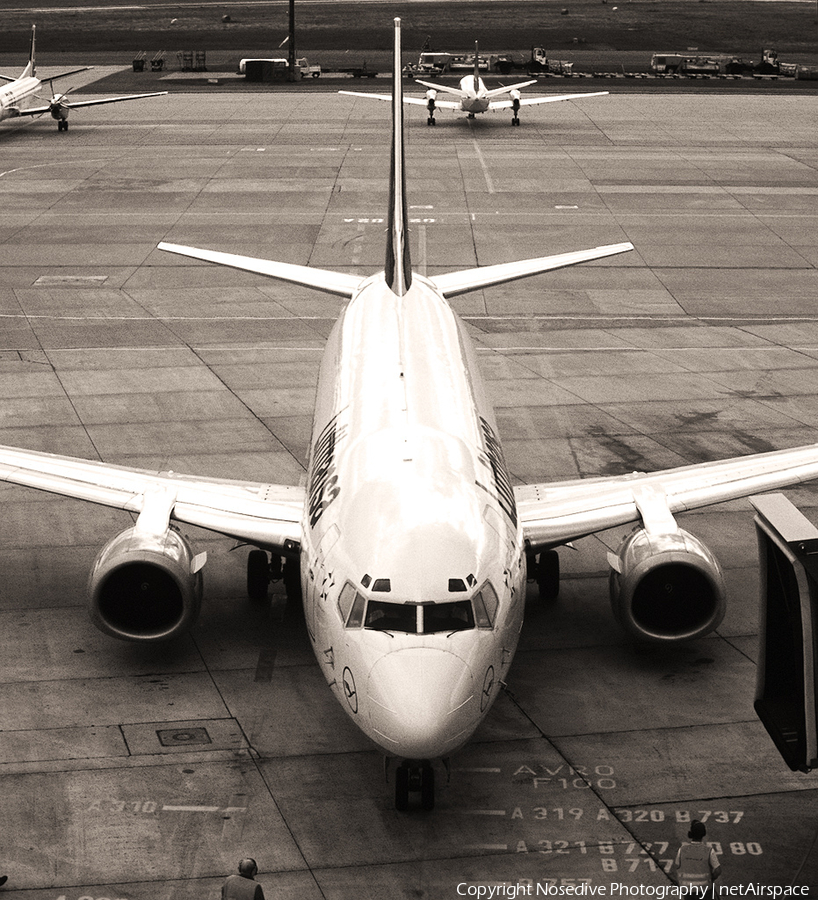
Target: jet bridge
786, 685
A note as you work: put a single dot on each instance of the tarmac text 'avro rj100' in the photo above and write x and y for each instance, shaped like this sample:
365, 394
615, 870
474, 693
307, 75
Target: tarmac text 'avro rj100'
413, 545
474, 97
14, 94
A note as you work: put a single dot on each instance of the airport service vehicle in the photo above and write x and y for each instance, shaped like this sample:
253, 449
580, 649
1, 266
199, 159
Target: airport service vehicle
14, 94
540, 62
302, 66
474, 97
413, 547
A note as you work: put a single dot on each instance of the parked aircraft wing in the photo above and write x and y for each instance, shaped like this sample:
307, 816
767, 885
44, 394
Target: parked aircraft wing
76, 104
453, 283
337, 283
553, 514
266, 514
534, 101
413, 101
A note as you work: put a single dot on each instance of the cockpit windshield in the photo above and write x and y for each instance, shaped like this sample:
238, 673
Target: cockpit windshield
418, 618
415, 618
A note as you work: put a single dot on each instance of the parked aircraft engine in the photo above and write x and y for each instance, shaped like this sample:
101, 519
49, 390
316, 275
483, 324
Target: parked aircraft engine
431, 96
666, 587
59, 111
145, 586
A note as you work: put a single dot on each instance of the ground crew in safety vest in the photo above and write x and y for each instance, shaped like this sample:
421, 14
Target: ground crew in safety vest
243, 886
696, 863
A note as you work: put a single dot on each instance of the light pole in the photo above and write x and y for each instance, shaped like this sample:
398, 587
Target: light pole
291, 48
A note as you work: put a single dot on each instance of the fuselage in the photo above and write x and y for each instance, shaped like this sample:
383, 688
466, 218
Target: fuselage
412, 561
14, 94
475, 99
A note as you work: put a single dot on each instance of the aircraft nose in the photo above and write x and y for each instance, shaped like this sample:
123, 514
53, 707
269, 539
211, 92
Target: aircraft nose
422, 703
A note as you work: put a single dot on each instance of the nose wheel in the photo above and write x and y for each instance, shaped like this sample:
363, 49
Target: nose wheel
415, 778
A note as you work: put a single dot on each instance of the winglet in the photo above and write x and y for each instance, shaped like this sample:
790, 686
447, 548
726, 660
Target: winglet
398, 267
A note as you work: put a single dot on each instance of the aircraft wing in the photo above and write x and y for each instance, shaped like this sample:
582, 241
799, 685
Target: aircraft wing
533, 101
453, 283
76, 104
266, 514
413, 101
553, 514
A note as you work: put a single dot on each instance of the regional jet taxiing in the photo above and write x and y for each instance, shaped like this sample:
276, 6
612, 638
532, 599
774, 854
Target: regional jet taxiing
413, 546
474, 97
26, 85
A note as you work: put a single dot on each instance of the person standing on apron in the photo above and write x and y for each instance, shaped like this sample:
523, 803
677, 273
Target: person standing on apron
243, 886
696, 863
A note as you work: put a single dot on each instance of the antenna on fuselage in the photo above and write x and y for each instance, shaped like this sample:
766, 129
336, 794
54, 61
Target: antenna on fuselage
398, 267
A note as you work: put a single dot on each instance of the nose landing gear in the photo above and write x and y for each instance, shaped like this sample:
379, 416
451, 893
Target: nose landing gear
414, 777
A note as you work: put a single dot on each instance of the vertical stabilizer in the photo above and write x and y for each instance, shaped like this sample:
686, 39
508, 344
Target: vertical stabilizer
398, 268
476, 69
31, 67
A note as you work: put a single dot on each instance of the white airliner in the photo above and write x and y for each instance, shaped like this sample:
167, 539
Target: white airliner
26, 85
413, 545
474, 97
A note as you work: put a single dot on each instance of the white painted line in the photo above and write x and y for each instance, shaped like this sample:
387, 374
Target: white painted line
208, 809
485, 168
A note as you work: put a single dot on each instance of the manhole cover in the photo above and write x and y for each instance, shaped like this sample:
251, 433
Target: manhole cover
178, 737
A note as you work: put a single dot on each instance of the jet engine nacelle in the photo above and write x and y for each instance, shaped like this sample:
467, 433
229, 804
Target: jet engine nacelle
145, 587
666, 587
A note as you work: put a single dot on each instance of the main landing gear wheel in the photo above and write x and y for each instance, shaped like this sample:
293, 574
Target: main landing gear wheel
414, 778
548, 575
258, 575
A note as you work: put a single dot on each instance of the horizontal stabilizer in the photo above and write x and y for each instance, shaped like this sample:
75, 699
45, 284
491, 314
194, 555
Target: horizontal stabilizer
412, 101
453, 283
498, 92
337, 283
442, 87
51, 78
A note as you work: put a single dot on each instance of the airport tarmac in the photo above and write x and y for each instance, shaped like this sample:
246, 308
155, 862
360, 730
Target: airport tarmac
134, 771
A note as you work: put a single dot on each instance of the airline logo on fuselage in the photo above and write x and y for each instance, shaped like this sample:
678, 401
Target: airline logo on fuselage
499, 472
322, 484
